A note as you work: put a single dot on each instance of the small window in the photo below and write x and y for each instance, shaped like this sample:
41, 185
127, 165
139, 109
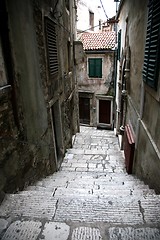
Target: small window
100, 25
152, 47
119, 45
91, 20
69, 55
51, 47
95, 67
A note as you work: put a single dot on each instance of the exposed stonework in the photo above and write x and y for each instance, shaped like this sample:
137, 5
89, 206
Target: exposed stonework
37, 117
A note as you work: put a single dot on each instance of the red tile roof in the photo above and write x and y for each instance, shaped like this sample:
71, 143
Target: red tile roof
94, 41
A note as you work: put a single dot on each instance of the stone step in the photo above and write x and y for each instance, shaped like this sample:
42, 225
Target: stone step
98, 170
110, 191
111, 209
93, 188
105, 151
85, 181
62, 179
94, 132
86, 151
65, 192
93, 143
106, 187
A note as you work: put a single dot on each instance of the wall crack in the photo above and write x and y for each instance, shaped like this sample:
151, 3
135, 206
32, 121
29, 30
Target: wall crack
141, 209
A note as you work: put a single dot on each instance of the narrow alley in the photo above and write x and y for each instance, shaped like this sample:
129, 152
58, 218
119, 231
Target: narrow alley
91, 197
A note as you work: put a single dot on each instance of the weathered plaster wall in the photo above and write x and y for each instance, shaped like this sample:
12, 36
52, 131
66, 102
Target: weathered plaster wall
147, 159
151, 117
25, 131
143, 108
135, 13
91, 87
27, 69
28, 147
97, 85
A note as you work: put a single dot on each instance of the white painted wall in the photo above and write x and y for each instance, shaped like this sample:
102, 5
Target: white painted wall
83, 8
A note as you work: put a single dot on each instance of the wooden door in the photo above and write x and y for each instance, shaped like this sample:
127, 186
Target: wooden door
84, 110
105, 111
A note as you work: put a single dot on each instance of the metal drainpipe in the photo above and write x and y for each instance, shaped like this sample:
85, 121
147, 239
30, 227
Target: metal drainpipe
141, 114
124, 90
119, 89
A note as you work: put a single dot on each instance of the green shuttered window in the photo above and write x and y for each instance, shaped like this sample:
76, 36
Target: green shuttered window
152, 47
95, 67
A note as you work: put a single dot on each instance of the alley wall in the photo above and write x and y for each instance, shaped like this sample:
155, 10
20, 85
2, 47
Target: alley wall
38, 112
143, 102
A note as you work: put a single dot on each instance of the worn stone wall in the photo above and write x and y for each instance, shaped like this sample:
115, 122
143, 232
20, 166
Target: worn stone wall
93, 87
97, 85
146, 163
132, 22
143, 106
27, 144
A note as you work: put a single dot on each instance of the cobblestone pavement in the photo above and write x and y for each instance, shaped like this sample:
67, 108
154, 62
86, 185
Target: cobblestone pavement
90, 198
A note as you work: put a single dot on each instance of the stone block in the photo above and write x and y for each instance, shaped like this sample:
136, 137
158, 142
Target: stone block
55, 231
130, 233
23, 230
82, 233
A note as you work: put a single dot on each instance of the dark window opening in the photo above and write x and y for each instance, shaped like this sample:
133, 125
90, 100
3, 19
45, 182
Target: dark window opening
100, 25
69, 55
152, 47
119, 46
91, 20
105, 111
84, 110
51, 47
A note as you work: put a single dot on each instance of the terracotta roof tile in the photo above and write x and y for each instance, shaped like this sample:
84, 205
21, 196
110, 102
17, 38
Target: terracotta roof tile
93, 41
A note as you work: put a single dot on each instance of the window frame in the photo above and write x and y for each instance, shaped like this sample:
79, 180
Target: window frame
119, 45
91, 20
100, 76
51, 47
152, 46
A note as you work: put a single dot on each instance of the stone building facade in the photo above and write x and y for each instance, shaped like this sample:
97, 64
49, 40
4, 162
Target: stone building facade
138, 86
95, 76
38, 99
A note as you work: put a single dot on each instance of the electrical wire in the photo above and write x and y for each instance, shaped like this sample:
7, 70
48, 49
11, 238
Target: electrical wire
83, 31
104, 9
91, 28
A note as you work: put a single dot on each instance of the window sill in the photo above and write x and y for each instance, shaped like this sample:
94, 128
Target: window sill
94, 78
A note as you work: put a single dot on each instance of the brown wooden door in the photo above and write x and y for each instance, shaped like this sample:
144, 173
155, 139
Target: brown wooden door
84, 110
105, 111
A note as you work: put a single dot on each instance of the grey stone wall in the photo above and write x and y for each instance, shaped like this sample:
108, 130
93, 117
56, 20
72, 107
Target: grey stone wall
143, 111
27, 140
92, 87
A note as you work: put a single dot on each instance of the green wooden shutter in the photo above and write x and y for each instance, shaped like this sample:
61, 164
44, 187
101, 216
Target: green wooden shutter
98, 67
152, 47
95, 67
91, 63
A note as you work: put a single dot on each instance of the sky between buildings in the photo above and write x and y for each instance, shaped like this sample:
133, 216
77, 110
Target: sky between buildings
109, 6
102, 9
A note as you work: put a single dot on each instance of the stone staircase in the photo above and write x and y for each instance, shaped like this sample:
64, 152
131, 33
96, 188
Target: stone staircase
91, 192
